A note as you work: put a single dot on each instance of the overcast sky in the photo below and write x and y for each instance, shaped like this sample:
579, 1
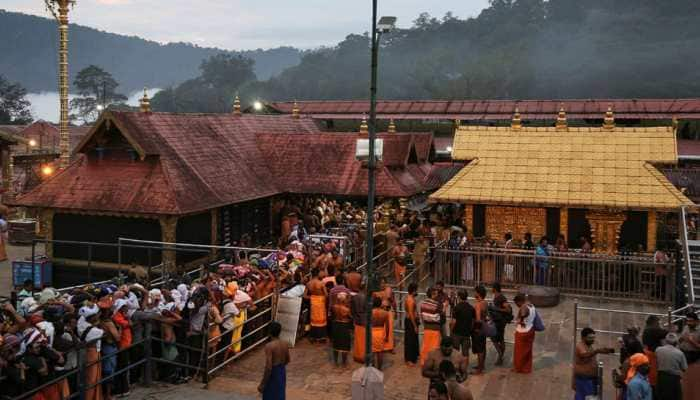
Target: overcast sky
239, 24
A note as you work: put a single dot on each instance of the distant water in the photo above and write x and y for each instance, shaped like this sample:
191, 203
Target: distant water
45, 105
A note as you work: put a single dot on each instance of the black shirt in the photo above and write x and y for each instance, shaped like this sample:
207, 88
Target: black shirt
464, 315
652, 337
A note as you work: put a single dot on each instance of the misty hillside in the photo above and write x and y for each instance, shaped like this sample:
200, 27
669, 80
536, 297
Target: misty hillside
515, 49
29, 48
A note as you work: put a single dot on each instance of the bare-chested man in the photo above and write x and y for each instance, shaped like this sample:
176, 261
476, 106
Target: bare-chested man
380, 331
431, 368
317, 293
478, 338
455, 390
353, 280
411, 347
274, 381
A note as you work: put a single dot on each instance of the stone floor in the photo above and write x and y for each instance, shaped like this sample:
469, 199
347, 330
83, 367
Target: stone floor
311, 375
13, 253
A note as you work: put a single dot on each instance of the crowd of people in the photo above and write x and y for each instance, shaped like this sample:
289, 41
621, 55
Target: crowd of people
662, 364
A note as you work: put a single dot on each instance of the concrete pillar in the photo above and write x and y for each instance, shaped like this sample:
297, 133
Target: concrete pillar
605, 229
168, 229
651, 231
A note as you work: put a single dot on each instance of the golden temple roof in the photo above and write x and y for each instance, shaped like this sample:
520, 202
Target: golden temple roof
576, 167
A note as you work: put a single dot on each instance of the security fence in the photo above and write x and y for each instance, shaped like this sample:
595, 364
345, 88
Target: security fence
623, 277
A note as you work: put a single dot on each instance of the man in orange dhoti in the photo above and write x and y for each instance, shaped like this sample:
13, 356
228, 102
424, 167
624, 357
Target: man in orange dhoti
317, 294
359, 318
430, 312
380, 331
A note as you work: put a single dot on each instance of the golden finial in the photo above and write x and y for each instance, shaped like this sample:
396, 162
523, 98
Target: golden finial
674, 123
516, 123
237, 106
145, 103
609, 121
295, 110
392, 127
561, 119
458, 122
364, 129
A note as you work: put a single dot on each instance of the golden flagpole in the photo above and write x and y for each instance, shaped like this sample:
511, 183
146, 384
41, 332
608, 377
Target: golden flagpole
59, 9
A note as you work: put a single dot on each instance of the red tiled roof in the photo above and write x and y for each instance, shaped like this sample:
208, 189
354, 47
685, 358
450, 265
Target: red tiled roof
688, 148
324, 163
195, 162
499, 109
106, 185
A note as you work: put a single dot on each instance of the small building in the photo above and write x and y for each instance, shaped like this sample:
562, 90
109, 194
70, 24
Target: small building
598, 182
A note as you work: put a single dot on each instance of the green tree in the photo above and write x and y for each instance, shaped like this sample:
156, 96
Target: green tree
96, 87
213, 91
14, 107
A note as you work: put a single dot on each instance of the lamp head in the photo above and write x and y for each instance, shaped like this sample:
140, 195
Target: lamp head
258, 106
386, 24
32, 143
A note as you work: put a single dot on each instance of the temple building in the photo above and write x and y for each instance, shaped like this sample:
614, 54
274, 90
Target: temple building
208, 179
596, 182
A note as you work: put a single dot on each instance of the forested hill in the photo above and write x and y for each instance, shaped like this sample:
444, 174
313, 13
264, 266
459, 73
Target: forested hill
28, 54
516, 49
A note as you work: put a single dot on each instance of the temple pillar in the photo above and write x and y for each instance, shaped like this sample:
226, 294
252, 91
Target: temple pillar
214, 230
564, 223
45, 229
651, 231
469, 217
168, 229
6, 174
605, 229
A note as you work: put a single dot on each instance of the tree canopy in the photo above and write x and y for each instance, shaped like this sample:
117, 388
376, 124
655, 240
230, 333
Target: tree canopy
14, 107
95, 87
515, 49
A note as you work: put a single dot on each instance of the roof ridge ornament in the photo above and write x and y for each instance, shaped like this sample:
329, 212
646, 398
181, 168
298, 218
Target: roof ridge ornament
561, 124
609, 120
516, 123
237, 106
295, 110
364, 129
674, 124
145, 102
392, 126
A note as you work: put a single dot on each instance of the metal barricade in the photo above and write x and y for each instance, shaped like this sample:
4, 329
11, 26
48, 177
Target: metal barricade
624, 277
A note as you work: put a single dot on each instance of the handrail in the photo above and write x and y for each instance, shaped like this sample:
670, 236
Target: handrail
686, 256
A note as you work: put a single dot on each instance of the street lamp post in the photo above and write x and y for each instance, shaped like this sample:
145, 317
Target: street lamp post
385, 25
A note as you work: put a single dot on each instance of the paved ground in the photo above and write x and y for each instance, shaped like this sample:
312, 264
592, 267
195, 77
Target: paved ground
311, 374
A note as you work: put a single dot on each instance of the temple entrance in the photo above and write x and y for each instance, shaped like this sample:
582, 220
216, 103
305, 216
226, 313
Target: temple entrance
578, 227
553, 218
633, 235
479, 224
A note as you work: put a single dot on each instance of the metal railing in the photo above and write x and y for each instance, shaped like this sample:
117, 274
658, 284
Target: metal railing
79, 374
631, 277
687, 262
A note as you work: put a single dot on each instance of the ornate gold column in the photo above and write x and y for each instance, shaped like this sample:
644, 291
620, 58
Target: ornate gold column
469, 217
605, 229
168, 229
564, 223
46, 228
64, 134
651, 231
